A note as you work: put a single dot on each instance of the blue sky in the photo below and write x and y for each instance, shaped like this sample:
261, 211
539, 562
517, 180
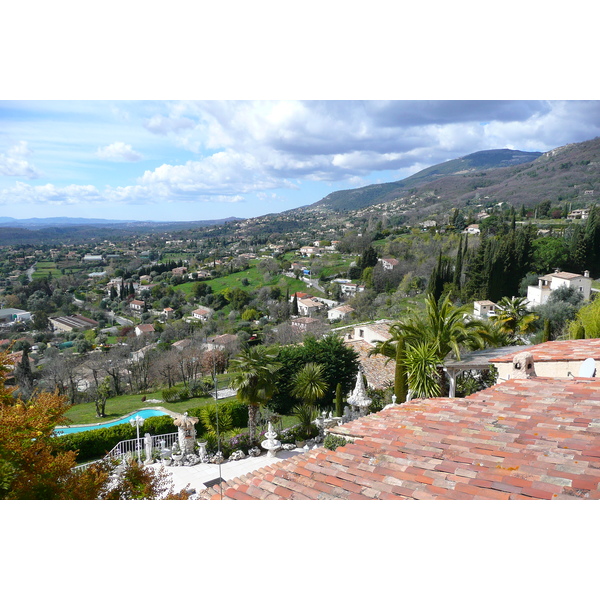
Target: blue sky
191, 160
91, 124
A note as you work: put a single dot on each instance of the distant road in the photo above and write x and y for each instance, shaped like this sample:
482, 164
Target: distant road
120, 320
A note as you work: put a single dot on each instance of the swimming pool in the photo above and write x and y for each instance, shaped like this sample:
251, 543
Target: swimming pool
145, 414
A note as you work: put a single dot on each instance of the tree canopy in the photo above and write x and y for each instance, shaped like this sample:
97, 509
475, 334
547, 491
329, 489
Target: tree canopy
34, 466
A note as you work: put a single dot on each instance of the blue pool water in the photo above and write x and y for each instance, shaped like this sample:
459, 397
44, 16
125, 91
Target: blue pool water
145, 413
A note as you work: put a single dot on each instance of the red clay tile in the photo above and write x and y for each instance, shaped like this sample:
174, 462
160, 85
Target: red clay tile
522, 439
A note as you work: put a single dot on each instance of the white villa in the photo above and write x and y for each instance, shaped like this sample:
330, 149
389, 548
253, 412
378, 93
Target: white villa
339, 312
483, 309
539, 294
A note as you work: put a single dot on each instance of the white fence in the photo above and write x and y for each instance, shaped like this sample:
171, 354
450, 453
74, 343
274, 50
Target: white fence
131, 447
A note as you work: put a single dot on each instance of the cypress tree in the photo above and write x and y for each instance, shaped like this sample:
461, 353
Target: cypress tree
23, 374
592, 241
476, 281
400, 375
458, 266
547, 330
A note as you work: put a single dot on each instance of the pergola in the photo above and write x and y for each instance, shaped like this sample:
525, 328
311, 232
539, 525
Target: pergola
475, 361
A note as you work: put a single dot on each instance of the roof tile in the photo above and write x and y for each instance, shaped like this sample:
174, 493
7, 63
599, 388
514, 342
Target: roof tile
532, 438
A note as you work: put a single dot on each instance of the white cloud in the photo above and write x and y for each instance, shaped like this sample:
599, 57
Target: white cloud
221, 173
119, 152
164, 125
14, 163
49, 194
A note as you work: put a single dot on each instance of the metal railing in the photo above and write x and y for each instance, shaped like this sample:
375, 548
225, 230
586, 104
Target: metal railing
131, 447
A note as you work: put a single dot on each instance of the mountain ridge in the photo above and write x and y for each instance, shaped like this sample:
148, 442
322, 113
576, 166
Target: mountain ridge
470, 163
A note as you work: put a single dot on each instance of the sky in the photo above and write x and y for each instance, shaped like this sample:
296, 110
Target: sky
193, 160
206, 111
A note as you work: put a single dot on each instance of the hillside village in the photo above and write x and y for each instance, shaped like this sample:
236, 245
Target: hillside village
154, 312
167, 288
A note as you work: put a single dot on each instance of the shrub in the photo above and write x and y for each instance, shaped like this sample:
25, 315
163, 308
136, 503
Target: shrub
176, 395
169, 395
332, 442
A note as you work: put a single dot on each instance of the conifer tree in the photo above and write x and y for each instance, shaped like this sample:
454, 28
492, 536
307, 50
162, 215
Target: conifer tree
458, 266
592, 242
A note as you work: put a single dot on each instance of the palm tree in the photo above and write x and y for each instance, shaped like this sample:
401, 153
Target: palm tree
254, 380
309, 383
514, 318
442, 328
421, 363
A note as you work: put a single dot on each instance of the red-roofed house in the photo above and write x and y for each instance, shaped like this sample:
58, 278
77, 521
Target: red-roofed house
144, 329
300, 296
389, 263
137, 305
203, 313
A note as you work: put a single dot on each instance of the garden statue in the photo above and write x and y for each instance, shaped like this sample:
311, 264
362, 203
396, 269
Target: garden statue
186, 433
202, 450
176, 455
148, 446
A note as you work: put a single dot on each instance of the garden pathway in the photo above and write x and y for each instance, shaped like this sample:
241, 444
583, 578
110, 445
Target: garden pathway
198, 475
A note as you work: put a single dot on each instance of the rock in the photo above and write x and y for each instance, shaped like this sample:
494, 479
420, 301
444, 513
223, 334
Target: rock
237, 455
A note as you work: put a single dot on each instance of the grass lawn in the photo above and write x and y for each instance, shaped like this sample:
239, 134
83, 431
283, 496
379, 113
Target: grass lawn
84, 414
255, 281
45, 268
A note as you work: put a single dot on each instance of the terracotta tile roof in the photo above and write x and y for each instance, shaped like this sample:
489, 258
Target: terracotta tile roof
562, 275
377, 369
571, 350
533, 438
343, 308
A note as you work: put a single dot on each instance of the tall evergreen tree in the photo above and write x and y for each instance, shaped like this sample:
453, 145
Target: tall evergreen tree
592, 242
458, 266
368, 258
441, 274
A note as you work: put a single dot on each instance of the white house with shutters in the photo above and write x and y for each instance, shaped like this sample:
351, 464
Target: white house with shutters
539, 294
